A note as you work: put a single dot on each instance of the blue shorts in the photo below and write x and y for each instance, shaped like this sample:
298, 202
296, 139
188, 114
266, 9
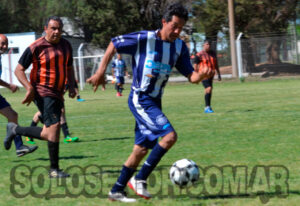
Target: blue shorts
120, 80
151, 123
3, 102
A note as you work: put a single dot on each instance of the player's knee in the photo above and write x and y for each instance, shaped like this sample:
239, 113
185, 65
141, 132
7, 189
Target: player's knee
169, 140
140, 151
173, 138
208, 90
13, 116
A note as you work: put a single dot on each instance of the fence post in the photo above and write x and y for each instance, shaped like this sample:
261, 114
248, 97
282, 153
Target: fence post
239, 55
80, 66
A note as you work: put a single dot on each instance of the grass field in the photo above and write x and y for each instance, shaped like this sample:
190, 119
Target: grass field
255, 129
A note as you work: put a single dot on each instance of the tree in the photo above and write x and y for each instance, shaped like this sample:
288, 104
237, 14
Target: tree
102, 19
266, 17
210, 16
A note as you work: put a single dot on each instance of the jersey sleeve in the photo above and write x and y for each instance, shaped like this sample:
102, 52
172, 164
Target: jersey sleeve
183, 64
126, 44
26, 58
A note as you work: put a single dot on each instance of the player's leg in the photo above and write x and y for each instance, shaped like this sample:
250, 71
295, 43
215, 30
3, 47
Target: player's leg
35, 120
51, 131
129, 167
138, 183
12, 116
117, 87
77, 93
153, 124
121, 85
207, 84
65, 128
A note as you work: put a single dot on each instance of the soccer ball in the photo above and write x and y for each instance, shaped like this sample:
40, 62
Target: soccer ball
184, 173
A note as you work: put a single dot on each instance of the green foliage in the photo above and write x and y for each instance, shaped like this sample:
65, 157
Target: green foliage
105, 19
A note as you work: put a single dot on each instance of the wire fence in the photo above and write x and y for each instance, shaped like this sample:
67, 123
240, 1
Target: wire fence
274, 54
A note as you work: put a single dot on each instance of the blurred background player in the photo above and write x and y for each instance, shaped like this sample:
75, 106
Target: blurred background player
118, 72
5, 108
77, 92
207, 58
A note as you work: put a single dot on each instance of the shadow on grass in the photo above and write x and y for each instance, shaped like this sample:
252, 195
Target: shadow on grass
102, 139
61, 158
264, 196
247, 110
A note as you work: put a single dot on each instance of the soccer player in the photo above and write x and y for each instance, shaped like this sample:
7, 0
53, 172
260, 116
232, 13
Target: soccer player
51, 59
207, 58
118, 71
154, 53
6, 110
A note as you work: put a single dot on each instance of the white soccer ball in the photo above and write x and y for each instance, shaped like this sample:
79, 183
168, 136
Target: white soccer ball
184, 173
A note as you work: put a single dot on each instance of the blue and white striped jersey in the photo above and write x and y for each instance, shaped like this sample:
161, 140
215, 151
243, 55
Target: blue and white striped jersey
153, 60
119, 67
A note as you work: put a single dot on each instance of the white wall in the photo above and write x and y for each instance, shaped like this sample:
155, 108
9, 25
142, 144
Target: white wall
20, 41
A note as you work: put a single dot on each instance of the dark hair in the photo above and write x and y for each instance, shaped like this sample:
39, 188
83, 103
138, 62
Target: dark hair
207, 41
175, 10
55, 18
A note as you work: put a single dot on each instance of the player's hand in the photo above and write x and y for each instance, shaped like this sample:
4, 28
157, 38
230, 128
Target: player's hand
206, 72
13, 88
219, 77
72, 92
96, 80
29, 97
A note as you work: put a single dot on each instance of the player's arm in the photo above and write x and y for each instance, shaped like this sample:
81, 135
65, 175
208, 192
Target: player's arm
71, 81
196, 77
98, 77
11, 87
218, 71
20, 74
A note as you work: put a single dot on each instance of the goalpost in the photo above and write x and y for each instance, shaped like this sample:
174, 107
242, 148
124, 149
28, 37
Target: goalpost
84, 67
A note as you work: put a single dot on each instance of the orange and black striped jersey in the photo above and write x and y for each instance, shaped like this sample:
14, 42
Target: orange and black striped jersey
50, 63
206, 59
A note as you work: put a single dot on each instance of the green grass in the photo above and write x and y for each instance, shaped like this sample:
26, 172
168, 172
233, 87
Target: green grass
255, 123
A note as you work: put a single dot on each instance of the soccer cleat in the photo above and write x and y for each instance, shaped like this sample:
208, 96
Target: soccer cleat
118, 94
10, 134
57, 173
208, 110
120, 196
29, 140
24, 149
139, 187
80, 100
69, 139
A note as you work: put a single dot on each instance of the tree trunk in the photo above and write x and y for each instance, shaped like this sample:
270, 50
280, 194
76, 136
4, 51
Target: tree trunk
273, 52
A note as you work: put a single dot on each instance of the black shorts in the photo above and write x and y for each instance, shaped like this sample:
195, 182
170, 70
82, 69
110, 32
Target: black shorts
3, 102
50, 109
207, 83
